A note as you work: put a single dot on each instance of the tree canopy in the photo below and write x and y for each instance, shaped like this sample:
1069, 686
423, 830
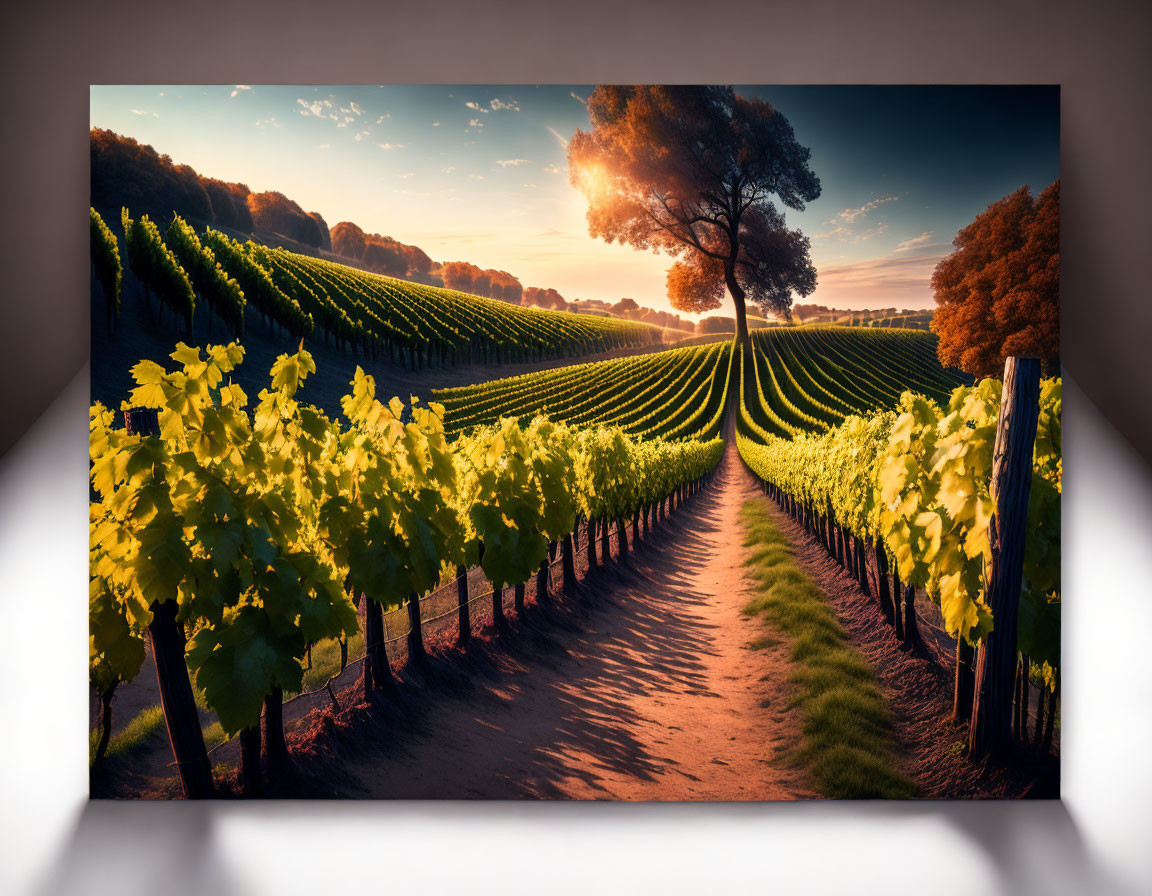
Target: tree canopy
690, 171
999, 292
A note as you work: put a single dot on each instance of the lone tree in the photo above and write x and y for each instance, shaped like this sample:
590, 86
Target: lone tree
689, 171
999, 292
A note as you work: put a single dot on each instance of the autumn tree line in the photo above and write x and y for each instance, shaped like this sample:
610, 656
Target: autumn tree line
128, 173
997, 293
131, 174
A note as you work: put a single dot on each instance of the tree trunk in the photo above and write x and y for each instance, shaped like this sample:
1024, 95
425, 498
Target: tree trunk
1011, 482
498, 608
1041, 694
105, 724
1050, 722
416, 652
178, 702
737, 294
605, 540
882, 580
635, 527
465, 622
542, 580
251, 780
962, 687
911, 628
862, 567
1022, 690
275, 747
518, 599
568, 564
622, 538
592, 564
897, 614
377, 672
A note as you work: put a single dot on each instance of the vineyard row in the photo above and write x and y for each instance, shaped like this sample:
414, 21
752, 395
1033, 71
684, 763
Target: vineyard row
233, 541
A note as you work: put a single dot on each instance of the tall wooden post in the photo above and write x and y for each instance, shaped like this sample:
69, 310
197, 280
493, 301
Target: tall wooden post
179, 704
462, 605
568, 564
166, 637
416, 652
990, 728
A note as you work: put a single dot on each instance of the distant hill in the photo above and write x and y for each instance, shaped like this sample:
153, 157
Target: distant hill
126, 172
909, 319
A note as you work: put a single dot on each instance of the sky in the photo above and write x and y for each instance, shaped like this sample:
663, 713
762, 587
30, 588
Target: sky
479, 173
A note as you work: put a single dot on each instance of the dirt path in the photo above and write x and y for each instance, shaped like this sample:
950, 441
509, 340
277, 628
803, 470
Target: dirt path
654, 694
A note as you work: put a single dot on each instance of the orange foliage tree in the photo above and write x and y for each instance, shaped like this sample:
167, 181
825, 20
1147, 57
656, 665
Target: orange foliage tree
348, 240
276, 212
543, 298
691, 171
999, 292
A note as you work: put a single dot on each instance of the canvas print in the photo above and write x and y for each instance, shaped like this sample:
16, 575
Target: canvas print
575, 442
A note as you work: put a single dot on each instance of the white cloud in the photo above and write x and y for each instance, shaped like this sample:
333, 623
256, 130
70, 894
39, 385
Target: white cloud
435, 124
271, 121
390, 145
851, 214
529, 185
319, 108
511, 105
552, 169
915, 242
380, 120
475, 123
143, 112
476, 176
325, 146
556, 134
512, 163
406, 175
844, 225
354, 106
476, 107
342, 115
240, 88
582, 100
449, 169
848, 235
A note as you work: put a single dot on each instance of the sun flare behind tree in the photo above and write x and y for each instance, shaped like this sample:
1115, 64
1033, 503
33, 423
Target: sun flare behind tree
691, 171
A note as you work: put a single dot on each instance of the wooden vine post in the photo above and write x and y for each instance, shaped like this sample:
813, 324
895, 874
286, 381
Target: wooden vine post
990, 727
462, 605
166, 637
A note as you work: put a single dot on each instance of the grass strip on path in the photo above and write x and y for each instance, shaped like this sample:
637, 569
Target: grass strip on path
847, 741
132, 737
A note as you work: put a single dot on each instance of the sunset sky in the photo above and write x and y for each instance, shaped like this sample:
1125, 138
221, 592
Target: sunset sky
478, 173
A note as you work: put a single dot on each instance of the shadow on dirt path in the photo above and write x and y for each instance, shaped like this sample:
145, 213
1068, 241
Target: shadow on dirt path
650, 692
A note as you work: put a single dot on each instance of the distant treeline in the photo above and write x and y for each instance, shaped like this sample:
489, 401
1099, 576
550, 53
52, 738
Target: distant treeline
128, 173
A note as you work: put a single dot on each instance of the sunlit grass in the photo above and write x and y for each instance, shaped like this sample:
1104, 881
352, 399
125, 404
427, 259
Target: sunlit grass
326, 661
132, 737
847, 739
213, 735
325, 664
